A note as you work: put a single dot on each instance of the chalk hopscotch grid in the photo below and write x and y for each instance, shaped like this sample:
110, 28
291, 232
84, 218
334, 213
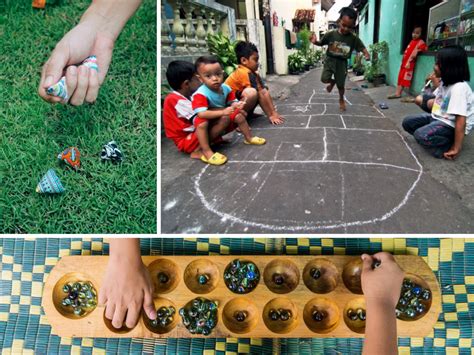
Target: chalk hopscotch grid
303, 107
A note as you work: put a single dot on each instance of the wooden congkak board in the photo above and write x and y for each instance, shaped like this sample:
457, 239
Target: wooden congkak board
330, 293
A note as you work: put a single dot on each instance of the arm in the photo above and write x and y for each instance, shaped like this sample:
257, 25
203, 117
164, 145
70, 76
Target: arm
215, 114
381, 287
126, 286
266, 103
459, 130
366, 54
95, 34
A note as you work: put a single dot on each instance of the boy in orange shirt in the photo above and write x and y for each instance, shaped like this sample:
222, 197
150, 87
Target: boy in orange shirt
248, 85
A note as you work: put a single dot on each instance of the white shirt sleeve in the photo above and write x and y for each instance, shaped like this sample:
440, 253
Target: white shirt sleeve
184, 109
458, 99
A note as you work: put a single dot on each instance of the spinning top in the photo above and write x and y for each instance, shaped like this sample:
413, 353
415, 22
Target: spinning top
50, 184
278, 279
111, 151
315, 273
71, 157
60, 88
163, 277
240, 316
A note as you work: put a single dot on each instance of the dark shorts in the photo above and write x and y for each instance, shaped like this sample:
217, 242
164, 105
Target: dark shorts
336, 67
424, 102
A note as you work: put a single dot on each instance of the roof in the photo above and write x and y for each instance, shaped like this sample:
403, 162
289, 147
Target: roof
304, 15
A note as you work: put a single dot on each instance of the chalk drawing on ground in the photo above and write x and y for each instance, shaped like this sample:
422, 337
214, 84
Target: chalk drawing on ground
247, 183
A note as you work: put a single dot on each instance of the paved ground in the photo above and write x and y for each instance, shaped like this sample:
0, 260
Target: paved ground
322, 172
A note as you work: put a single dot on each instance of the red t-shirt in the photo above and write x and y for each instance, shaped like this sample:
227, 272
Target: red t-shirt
178, 117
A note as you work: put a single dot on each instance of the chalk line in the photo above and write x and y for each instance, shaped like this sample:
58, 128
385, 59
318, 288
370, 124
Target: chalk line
343, 123
345, 98
309, 120
379, 110
325, 109
325, 145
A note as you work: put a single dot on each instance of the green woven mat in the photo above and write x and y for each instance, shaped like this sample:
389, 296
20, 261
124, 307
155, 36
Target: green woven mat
26, 263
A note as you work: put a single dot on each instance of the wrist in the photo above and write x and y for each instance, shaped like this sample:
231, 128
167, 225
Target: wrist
377, 304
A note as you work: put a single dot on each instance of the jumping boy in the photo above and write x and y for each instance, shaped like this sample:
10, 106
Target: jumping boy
178, 114
248, 85
216, 101
341, 43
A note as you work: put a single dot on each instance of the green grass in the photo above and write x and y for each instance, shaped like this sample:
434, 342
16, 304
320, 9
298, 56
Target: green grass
102, 197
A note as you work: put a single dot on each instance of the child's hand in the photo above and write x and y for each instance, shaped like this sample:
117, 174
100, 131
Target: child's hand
312, 39
126, 288
228, 111
82, 83
452, 153
381, 284
276, 119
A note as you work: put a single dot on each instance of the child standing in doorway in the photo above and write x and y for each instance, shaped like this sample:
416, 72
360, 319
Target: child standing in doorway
452, 114
341, 43
405, 75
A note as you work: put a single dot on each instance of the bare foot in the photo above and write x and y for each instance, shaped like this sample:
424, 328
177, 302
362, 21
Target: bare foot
330, 87
196, 154
342, 105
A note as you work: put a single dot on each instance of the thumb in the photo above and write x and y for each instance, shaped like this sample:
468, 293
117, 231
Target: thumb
148, 305
54, 68
366, 263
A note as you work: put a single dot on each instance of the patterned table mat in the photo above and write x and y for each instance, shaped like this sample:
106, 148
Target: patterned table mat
26, 264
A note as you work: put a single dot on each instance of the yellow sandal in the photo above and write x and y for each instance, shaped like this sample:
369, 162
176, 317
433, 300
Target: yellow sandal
216, 159
255, 141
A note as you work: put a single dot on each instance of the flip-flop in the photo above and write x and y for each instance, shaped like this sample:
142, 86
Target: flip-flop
393, 96
408, 100
383, 105
216, 159
255, 141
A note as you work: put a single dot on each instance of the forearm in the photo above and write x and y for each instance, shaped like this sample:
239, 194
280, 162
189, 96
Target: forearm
366, 53
125, 250
211, 114
380, 329
459, 130
110, 16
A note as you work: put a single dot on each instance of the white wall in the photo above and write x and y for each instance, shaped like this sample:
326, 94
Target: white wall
286, 9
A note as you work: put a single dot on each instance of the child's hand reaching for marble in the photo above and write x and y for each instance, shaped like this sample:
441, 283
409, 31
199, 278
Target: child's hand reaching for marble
126, 286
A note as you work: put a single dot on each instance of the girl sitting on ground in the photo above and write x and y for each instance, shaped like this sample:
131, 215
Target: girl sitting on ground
452, 114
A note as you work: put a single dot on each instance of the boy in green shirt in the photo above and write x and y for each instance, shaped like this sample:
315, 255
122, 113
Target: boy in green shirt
341, 43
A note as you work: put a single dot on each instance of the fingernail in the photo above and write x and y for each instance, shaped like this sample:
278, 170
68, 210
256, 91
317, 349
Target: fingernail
49, 81
363, 256
152, 315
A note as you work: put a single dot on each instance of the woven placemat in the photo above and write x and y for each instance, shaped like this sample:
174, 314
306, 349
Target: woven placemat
26, 263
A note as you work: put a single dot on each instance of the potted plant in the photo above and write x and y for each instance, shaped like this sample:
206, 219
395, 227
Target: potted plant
224, 49
358, 67
305, 52
295, 63
374, 71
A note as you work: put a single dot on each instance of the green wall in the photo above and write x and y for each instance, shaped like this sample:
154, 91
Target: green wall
391, 30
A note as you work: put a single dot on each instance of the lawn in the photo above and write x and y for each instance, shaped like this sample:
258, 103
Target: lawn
101, 197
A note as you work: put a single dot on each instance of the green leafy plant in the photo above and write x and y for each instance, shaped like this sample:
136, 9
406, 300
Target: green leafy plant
295, 62
378, 54
224, 49
358, 67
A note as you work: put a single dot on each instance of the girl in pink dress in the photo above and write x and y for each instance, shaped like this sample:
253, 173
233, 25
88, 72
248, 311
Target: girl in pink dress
407, 68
